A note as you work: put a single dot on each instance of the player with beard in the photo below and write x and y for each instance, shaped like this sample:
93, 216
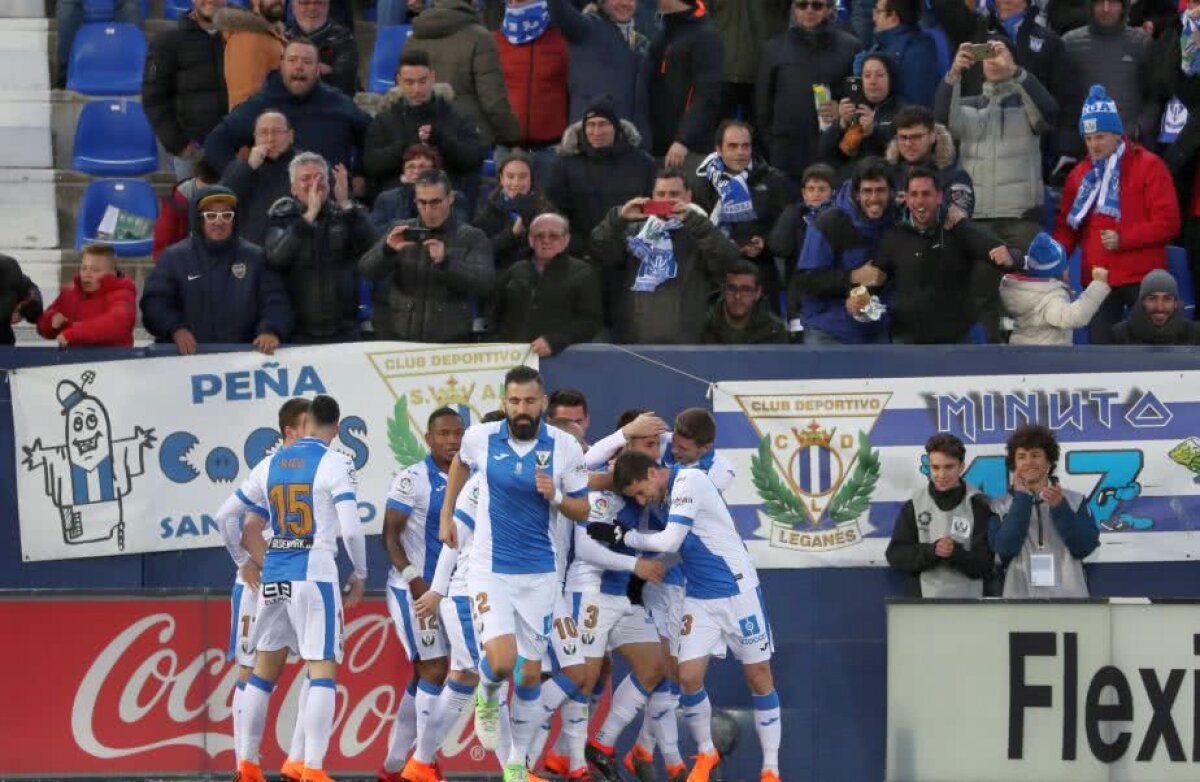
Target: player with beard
530, 473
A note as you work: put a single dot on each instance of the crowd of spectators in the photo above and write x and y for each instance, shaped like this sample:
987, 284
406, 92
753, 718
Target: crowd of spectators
716, 171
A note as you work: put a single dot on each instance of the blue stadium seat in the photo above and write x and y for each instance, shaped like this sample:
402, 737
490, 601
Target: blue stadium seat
114, 138
107, 59
131, 195
388, 44
103, 10
1177, 265
173, 9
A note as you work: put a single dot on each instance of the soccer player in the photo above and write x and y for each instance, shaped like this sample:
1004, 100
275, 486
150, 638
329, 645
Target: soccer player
691, 445
410, 535
247, 501
723, 606
530, 472
310, 492
570, 405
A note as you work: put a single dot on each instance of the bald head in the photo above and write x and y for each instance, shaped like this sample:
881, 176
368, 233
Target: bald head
549, 235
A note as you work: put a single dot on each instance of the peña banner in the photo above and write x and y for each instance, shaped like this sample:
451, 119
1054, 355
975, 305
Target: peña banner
824, 466
135, 456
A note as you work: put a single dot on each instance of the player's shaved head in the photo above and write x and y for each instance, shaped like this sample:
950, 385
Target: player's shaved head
324, 411
291, 413
442, 412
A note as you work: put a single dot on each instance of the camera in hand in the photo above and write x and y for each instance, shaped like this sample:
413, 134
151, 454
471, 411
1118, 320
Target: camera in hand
982, 51
854, 90
658, 208
417, 234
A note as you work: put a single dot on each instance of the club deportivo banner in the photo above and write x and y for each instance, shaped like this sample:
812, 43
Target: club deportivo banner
135, 456
824, 466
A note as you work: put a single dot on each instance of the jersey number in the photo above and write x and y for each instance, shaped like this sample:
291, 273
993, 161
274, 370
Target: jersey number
566, 628
593, 617
687, 625
296, 514
481, 603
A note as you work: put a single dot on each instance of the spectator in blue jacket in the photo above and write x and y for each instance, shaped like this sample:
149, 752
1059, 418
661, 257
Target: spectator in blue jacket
323, 120
213, 287
837, 257
912, 49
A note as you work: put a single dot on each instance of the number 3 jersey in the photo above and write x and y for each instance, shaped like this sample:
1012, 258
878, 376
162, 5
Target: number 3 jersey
304, 485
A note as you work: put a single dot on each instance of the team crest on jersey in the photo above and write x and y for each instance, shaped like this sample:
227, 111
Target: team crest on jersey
543, 459
238, 270
815, 470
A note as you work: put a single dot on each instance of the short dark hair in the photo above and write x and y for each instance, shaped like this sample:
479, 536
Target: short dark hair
414, 58
1028, 437
923, 172
205, 171
948, 445
744, 268
820, 171
631, 467
697, 424
434, 177
521, 375
441, 412
427, 151
672, 172
492, 417
905, 9
869, 169
719, 137
629, 415
566, 397
291, 410
324, 410
913, 115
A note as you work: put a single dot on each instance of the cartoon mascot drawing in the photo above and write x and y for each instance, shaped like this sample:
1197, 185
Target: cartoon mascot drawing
89, 475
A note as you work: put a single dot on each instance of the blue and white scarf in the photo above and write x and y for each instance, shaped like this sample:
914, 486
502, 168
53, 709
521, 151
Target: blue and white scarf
652, 246
734, 204
1189, 45
525, 24
1099, 189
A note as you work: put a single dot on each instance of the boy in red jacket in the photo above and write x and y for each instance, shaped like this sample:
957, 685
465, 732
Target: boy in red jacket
1119, 206
98, 310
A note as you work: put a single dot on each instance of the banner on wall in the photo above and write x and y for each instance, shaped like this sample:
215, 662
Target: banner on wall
824, 466
135, 456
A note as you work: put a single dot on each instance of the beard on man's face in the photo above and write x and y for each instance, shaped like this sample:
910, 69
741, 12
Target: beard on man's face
523, 427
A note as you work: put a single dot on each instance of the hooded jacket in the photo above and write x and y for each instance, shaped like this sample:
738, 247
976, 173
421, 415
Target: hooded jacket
536, 75
915, 52
324, 120
673, 314
336, 48
465, 55
685, 85
1043, 310
257, 190
1149, 219
253, 48
1138, 329
956, 183
586, 182
839, 241
783, 100
318, 265
102, 318
603, 62
183, 85
397, 127
222, 292
874, 145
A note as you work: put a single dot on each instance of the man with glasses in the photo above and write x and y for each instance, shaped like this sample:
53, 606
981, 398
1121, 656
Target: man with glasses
551, 300
314, 239
261, 178
739, 316
435, 268
213, 287
921, 142
812, 52
335, 44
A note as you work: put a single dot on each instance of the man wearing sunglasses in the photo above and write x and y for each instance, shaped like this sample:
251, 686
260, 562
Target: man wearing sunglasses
213, 287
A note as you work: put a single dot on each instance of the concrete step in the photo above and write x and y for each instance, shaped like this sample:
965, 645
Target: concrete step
28, 214
24, 58
26, 136
23, 9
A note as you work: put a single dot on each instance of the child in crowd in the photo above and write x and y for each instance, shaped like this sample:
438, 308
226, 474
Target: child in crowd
1039, 296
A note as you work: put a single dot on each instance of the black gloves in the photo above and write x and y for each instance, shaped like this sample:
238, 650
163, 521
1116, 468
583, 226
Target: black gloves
634, 590
608, 534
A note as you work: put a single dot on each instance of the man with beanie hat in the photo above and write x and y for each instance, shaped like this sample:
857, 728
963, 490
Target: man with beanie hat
1040, 299
1119, 207
214, 287
1158, 317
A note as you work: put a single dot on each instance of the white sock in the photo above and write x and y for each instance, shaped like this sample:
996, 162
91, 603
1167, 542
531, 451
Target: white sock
575, 728
647, 737
526, 714
296, 751
539, 740
769, 729
666, 730
504, 740
450, 705
489, 681
319, 711
628, 699
255, 700
404, 730
553, 695
697, 713
237, 720
427, 698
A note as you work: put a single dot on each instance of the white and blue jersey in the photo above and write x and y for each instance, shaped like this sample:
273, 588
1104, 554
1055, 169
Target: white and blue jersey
465, 510
418, 492
304, 484
515, 525
589, 577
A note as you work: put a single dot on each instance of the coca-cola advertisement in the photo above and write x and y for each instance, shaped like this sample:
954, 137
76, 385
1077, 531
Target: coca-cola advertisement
139, 684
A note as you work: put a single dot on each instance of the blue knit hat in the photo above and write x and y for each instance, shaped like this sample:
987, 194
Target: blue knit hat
1046, 257
1099, 113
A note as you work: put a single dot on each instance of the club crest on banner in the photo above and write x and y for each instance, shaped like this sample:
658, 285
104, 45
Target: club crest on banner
814, 469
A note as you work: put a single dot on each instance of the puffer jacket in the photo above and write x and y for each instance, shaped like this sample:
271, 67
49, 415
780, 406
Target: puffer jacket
103, 318
999, 137
685, 84
536, 75
956, 183
428, 302
1043, 310
253, 48
464, 54
183, 85
398, 124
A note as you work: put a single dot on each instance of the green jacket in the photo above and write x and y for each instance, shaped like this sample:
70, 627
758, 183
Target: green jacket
763, 328
744, 25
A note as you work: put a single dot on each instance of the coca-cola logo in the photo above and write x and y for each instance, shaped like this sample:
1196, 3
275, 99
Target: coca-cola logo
146, 690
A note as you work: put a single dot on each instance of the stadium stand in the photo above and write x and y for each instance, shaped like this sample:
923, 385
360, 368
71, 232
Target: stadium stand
107, 59
114, 138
